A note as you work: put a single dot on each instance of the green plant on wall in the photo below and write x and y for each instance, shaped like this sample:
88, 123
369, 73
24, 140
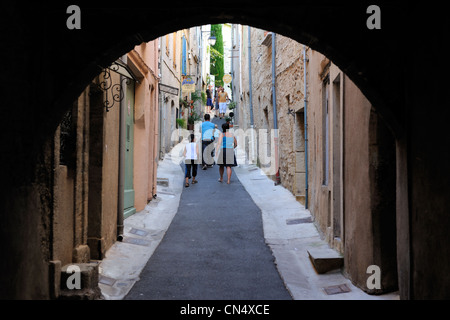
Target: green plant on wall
204, 98
193, 117
184, 103
217, 63
232, 105
196, 96
181, 123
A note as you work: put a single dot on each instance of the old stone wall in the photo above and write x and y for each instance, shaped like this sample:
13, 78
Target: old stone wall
171, 76
289, 105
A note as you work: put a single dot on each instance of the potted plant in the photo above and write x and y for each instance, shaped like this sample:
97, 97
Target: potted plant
229, 120
232, 105
195, 96
184, 103
181, 123
193, 117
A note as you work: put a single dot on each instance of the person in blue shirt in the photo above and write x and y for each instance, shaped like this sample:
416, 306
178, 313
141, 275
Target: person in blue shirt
225, 150
207, 138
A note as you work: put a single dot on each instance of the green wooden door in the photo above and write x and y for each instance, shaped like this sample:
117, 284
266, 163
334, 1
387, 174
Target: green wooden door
129, 141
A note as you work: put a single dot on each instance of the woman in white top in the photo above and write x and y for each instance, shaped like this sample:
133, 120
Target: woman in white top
191, 156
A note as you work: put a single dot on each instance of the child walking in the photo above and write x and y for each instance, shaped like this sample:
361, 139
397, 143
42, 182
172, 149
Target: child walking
191, 156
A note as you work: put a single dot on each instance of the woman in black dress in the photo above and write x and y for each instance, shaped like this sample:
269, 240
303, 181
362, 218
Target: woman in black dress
225, 151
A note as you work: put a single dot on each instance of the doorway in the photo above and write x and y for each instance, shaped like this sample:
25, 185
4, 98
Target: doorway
128, 199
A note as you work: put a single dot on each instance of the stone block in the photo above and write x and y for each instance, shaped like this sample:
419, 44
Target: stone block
79, 281
81, 254
300, 162
96, 248
300, 183
55, 278
325, 260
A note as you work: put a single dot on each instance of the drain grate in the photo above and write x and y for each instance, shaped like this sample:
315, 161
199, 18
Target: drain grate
106, 280
139, 232
341, 288
140, 242
298, 221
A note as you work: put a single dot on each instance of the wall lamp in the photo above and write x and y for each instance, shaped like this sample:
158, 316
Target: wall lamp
212, 38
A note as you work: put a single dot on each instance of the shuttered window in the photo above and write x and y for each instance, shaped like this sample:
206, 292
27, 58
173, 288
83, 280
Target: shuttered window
183, 59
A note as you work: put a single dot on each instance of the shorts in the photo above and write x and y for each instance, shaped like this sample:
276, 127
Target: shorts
209, 102
222, 107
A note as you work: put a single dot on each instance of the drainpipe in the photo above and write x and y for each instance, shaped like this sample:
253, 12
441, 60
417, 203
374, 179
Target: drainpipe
162, 122
120, 200
274, 102
236, 118
250, 92
306, 126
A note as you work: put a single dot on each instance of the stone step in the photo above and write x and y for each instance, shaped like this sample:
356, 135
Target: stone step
325, 259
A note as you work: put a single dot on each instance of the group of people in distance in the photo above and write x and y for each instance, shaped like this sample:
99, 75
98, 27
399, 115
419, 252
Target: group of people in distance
218, 103
222, 153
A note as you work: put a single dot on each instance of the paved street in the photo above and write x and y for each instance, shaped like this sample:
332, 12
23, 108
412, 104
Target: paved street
216, 241
213, 249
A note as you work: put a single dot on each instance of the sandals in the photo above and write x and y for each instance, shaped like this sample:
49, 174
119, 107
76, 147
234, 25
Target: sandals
187, 183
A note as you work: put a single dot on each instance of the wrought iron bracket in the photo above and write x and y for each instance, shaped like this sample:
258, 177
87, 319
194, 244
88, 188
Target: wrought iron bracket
114, 92
291, 112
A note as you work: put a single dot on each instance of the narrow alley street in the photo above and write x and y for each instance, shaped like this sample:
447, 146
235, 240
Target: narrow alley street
221, 242
214, 249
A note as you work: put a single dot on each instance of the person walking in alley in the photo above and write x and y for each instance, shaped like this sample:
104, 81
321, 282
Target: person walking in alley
191, 156
225, 151
216, 102
207, 129
223, 99
209, 105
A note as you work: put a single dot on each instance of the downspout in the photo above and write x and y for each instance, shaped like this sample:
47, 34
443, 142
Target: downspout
120, 200
235, 120
162, 124
274, 103
306, 126
250, 92
122, 148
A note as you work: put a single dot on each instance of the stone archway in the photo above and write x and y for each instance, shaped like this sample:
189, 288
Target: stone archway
46, 66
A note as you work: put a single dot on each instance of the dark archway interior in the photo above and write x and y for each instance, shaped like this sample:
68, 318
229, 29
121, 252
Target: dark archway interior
400, 69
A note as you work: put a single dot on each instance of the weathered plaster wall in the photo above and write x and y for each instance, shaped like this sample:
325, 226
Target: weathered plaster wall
358, 223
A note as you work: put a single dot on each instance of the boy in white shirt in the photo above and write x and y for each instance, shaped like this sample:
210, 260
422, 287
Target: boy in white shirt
191, 156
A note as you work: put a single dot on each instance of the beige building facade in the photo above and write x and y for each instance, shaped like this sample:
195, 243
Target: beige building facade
105, 145
169, 88
180, 55
143, 60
